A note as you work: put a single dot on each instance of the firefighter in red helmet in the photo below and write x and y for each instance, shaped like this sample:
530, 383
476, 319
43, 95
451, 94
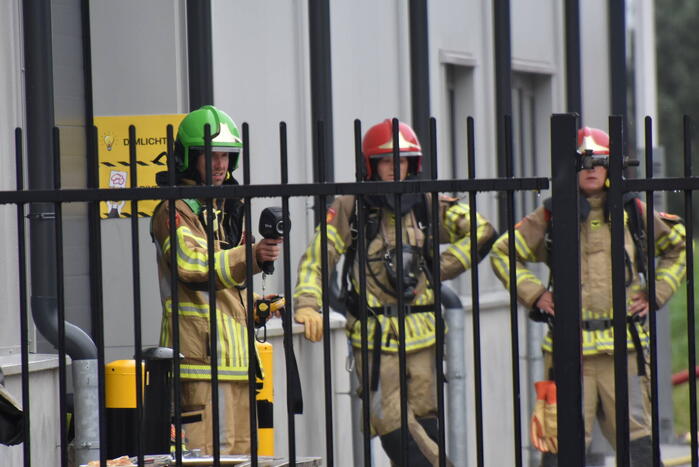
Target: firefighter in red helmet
533, 240
382, 288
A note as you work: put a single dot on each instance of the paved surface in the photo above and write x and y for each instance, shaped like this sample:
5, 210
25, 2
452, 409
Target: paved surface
673, 455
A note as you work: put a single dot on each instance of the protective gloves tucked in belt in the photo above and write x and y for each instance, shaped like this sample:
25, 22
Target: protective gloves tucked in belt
312, 322
544, 426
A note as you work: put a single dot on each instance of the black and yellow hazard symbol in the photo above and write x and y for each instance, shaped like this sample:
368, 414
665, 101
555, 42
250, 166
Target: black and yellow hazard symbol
114, 166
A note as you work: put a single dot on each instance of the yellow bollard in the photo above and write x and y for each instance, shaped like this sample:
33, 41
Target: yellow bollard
265, 401
120, 384
120, 405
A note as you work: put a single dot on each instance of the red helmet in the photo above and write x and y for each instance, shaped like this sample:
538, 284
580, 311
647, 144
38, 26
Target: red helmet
593, 139
378, 143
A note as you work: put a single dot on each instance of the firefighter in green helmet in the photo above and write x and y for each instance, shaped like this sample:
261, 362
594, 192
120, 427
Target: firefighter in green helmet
192, 284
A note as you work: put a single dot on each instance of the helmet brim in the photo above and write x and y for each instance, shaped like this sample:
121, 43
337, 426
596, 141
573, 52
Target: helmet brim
400, 154
215, 148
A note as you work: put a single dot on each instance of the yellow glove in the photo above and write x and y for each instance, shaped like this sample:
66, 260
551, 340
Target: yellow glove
544, 428
312, 322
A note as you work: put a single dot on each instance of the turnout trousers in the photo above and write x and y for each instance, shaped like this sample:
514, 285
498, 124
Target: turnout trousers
421, 404
234, 416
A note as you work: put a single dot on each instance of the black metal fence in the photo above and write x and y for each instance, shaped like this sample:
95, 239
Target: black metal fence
567, 355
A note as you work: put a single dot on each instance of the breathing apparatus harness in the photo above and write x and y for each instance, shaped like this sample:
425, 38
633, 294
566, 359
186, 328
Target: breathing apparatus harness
416, 259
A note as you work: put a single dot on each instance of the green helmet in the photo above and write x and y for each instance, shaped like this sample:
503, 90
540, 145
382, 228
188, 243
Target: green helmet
190, 136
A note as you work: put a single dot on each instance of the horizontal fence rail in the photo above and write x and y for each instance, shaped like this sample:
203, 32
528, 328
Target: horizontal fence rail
270, 191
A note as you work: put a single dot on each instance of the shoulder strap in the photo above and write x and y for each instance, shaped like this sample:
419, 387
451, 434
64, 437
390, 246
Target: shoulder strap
371, 229
194, 205
632, 207
422, 216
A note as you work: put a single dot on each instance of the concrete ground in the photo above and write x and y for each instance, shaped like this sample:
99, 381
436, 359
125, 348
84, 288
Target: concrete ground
673, 455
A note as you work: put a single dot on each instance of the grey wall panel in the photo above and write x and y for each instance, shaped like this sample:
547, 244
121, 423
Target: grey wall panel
533, 29
261, 76
12, 97
69, 105
371, 72
68, 63
596, 87
137, 57
139, 68
118, 288
457, 26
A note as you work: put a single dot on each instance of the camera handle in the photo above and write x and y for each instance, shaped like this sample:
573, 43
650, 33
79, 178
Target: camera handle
272, 225
268, 267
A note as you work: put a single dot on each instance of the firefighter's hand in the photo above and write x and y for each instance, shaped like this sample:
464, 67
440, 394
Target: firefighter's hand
268, 249
545, 303
312, 322
639, 304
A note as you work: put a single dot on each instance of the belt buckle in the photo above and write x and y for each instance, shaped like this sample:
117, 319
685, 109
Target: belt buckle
597, 324
391, 311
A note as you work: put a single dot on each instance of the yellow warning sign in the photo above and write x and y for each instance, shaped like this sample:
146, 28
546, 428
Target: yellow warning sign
113, 150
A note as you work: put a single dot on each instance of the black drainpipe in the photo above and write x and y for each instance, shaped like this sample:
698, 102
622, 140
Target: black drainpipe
420, 75
503, 96
200, 53
39, 126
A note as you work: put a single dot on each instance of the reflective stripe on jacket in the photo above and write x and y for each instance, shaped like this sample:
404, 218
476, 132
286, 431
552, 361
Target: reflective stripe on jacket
596, 271
420, 327
193, 296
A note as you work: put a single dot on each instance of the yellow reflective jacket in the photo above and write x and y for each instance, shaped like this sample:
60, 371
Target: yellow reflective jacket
596, 269
193, 296
420, 326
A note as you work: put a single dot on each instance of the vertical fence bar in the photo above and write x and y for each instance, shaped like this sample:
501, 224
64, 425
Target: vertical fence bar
136, 280
60, 300
691, 334
249, 258
362, 309
616, 210
502, 45
175, 309
23, 318
402, 358
652, 303
96, 287
514, 321
565, 265
475, 299
291, 401
213, 313
327, 369
572, 56
437, 288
